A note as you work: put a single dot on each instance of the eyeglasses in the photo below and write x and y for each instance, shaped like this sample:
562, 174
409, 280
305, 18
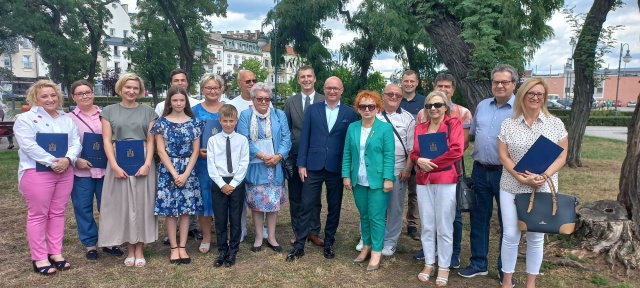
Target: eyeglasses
436, 105
83, 94
534, 94
262, 100
208, 89
370, 107
504, 83
250, 81
330, 89
392, 95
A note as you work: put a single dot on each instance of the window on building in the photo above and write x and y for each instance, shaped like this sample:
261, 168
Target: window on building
7, 60
219, 54
125, 33
236, 60
116, 66
228, 59
116, 51
266, 63
219, 71
243, 58
112, 31
599, 90
26, 62
567, 90
25, 43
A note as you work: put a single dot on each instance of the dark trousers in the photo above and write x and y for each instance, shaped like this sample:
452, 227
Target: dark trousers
311, 193
295, 201
228, 209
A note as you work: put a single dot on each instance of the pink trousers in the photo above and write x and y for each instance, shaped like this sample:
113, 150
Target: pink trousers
46, 194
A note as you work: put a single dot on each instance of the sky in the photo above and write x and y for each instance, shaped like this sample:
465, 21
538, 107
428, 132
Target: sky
550, 58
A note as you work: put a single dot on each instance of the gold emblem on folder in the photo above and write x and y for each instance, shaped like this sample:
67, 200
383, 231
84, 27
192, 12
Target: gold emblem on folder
96, 145
52, 147
129, 153
433, 146
543, 223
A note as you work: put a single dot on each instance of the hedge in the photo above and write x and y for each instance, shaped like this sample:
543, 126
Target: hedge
594, 112
621, 121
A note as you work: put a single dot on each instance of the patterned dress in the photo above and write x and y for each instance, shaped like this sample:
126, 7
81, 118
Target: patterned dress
265, 197
172, 200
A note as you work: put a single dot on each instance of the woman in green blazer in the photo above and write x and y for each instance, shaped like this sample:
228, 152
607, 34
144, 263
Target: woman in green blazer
367, 170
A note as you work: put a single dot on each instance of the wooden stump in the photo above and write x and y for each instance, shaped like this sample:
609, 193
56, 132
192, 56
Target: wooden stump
603, 227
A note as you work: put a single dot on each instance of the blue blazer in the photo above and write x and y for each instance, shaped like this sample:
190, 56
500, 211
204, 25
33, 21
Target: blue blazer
257, 172
379, 154
320, 149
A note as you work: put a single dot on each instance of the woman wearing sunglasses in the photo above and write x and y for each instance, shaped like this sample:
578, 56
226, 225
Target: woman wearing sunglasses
368, 170
436, 186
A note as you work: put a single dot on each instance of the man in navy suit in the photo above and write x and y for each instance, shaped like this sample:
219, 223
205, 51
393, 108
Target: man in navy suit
320, 161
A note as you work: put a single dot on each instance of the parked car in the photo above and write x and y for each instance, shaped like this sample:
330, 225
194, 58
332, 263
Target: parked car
631, 104
568, 102
617, 103
552, 104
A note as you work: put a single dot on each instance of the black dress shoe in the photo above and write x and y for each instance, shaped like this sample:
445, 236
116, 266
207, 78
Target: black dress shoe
165, 241
195, 234
92, 254
295, 254
275, 248
329, 253
222, 256
230, 261
413, 233
115, 250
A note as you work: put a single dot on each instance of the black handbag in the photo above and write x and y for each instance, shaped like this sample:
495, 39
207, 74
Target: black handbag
465, 195
546, 212
287, 166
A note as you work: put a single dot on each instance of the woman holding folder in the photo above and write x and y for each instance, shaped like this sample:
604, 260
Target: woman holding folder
128, 199
211, 86
88, 173
368, 170
436, 183
530, 120
46, 180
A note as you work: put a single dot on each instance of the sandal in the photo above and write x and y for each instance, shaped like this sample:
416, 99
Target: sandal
175, 261
44, 270
140, 262
204, 247
442, 281
60, 265
129, 261
185, 260
424, 277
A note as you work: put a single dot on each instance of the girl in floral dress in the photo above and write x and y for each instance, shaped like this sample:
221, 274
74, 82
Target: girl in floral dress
177, 134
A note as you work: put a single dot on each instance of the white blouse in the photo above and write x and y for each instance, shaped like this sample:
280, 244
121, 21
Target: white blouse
363, 179
519, 137
37, 120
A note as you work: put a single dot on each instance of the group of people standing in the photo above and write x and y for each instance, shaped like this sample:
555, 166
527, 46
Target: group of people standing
253, 148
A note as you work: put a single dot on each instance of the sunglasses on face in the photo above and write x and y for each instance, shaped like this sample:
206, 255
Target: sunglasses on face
393, 95
250, 81
436, 105
262, 100
370, 107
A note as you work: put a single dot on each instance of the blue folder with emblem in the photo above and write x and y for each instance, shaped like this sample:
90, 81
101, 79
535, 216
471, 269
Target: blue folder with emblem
211, 127
130, 155
93, 150
55, 144
539, 157
433, 145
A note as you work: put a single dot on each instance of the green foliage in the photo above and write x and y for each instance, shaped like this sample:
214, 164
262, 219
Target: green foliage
254, 66
546, 266
621, 285
293, 84
376, 82
576, 258
6, 73
284, 90
620, 121
599, 279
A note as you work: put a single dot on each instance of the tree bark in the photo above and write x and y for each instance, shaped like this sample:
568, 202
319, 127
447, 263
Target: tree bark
584, 56
629, 195
178, 27
454, 51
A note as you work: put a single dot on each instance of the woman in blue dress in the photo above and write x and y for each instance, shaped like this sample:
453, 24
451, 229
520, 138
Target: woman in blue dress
211, 86
269, 143
177, 134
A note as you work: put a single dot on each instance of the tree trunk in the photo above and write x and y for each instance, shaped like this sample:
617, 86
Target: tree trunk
629, 196
584, 56
454, 51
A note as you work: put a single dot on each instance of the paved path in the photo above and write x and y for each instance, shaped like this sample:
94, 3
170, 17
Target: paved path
618, 133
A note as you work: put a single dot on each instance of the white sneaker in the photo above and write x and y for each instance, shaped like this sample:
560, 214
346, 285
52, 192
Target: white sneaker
388, 250
360, 245
265, 234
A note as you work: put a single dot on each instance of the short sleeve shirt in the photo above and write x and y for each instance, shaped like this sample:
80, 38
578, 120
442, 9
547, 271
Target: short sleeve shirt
129, 123
519, 137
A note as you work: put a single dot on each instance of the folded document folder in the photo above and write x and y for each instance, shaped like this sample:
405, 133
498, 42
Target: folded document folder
93, 150
55, 144
433, 145
130, 155
539, 157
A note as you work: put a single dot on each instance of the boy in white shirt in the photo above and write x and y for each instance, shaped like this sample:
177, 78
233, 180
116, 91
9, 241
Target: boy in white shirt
227, 169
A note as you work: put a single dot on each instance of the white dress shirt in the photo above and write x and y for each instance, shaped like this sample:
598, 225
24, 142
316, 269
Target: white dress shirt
37, 120
217, 158
304, 97
363, 179
192, 102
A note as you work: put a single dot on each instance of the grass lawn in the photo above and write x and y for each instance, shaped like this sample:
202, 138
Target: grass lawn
598, 179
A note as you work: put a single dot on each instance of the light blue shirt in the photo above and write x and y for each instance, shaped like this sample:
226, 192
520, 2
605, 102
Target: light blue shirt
486, 127
332, 115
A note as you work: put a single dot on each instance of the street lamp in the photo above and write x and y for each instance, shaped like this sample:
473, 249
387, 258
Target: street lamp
568, 70
626, 59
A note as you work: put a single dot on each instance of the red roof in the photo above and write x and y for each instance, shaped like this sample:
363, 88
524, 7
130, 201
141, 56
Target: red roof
290, 51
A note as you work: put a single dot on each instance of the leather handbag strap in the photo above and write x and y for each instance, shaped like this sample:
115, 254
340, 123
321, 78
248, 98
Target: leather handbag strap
554, 199
406, 154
